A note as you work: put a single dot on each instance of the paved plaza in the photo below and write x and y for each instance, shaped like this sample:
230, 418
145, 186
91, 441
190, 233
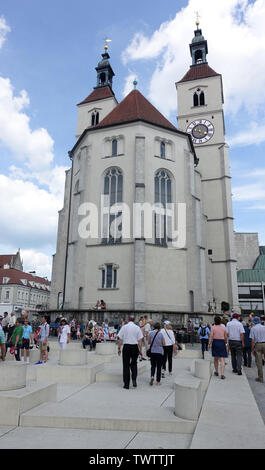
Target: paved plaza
102, 415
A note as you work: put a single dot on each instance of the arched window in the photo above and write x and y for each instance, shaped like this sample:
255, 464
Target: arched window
163, 196
113, 194
94, 119
195, 99
163, 150
114, 151
202, 99
198, 56
198, 98
102, 78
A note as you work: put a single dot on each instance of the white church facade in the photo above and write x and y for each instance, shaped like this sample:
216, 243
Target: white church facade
129, 155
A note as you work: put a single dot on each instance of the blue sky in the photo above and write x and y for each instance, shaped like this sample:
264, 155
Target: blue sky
48, 54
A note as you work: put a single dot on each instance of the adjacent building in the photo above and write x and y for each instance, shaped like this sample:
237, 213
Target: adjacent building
21, 291
250, 274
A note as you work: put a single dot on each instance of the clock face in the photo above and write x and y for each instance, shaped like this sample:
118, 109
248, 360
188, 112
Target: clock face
201, 131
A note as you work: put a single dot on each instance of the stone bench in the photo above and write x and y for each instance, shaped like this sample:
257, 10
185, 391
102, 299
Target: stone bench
73, 357
71, 374
188, 396
105, 349
12, 375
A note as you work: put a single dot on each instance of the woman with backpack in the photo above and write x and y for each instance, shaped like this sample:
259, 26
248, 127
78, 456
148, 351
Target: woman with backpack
204, 333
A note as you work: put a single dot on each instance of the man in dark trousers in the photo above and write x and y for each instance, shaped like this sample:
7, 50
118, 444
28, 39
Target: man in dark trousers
130, 336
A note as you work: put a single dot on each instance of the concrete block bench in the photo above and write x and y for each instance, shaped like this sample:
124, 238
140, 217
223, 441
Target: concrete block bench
188, 396
68, 374
106, 349
72, 357
12, 375
13, 403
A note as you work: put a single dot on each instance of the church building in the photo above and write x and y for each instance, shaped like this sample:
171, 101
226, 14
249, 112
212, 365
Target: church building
127, 159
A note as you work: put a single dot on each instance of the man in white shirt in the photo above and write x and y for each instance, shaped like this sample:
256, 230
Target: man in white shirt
130, 336
236, 332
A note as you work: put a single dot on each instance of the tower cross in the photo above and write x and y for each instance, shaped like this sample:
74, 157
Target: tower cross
197, 19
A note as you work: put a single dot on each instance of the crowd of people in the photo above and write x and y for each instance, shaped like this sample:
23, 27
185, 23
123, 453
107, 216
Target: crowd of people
240, 338
144, 341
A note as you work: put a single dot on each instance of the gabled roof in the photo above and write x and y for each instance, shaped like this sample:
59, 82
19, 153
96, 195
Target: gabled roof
6, 259
15, 276
135, 107
97, 94
199, 71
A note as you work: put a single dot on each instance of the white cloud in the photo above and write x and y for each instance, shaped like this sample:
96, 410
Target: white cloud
32, 193
129, 86
254, 134
236, 39
33, 147
249, 192
52, 178
37, 261
27, 213
4, 29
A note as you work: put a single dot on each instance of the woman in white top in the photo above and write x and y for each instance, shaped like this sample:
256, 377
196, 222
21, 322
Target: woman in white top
169, 348
64, 334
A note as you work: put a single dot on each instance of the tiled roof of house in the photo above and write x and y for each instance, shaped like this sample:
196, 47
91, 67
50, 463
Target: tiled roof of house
133, 108
199, 71
5, 259
99, 94
16, 276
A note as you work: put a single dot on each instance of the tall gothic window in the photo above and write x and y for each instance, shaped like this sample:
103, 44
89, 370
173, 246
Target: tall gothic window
114, 149
198, 98
94, 119
163, 196
109, 276
163, 150
113, 194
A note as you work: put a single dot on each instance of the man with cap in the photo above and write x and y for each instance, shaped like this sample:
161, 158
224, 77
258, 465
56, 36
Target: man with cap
257, 335
236, 333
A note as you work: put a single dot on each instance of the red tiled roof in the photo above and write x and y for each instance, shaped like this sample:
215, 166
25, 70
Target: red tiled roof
199, 71
133, 108
99, 94
15, 277
5, 259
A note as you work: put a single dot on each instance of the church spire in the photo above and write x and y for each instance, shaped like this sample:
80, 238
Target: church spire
105, 73
198, 46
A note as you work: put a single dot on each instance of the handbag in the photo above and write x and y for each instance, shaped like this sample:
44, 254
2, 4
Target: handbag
148, 352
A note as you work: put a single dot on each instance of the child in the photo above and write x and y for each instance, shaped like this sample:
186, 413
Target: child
78, 332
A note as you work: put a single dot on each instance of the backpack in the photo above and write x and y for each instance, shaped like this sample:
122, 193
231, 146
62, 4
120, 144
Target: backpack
203, 331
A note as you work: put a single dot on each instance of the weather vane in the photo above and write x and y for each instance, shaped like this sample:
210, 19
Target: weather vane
107, 40
135, 83
197, 19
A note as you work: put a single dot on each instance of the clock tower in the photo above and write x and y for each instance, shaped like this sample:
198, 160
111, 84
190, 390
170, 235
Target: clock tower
200, 113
